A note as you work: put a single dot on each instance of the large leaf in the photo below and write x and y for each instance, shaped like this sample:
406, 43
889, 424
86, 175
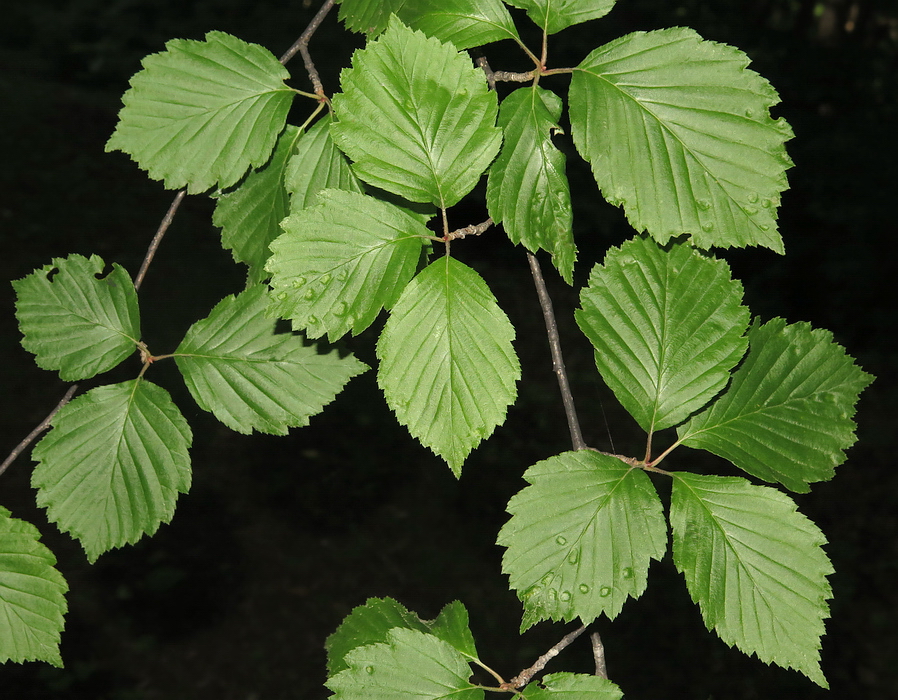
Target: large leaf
32, 595
678, 131
573, 686
74, 320
416, 117
787, 415
581, 537
527, 190
237, 367
667, 326
755, 567
341, 261
111, 468
447, 365
555, 15
201, 113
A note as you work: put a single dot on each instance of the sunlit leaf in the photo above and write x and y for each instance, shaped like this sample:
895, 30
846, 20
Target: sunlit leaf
555, 15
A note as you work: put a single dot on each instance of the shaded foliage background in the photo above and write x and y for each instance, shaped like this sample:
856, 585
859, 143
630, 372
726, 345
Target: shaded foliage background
281, 537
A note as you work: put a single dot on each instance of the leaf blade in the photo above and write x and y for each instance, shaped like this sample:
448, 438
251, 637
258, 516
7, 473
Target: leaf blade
573, 686
555, 15
464, 23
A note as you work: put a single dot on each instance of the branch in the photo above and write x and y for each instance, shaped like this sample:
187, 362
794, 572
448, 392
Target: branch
41, 427
598, 653
524, 677
302, 45
157, 239
472, 230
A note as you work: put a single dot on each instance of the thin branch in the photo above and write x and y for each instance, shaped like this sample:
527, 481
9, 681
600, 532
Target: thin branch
472, 230
42, 426
598, 653
302, 45
525, 676
157, 239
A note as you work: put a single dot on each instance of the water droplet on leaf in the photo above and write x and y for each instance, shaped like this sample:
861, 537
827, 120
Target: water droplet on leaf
553, 594
707, 227
312, 321
764, 227
583, 588
753, 197
574, 556
340, 308
342, 275
282, 296
751, 211
703, 204
325, 278
565, 596
369, 670
310, 295
547, 579
605, 591
561, 540
627, 572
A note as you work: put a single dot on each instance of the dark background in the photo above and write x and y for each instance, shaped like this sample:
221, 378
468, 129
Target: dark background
280, 537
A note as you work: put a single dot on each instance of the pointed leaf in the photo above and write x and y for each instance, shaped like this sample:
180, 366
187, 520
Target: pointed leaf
111, 468
201, 113
755, 567
368, 16
416, 118
32, 595
573, 686
555, 15
667, 326
677, 131
527, 190
249, 377
464, 23
451, 625
341, 261
447, 366
74, 320
787, 415
581, 537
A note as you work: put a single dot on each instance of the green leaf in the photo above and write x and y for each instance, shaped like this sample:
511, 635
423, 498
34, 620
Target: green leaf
581, 537
678, 131
368, 16
451, 625
416, 118
464, 23
527, 190
341, 261
32, 595
75, 321
412, 665
249, 377
667, 326
787, 415
201, 113
447, 365
755, 567
111, 468
555, 15
573, 686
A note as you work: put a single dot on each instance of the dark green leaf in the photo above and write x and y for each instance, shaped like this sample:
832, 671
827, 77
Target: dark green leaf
555, 15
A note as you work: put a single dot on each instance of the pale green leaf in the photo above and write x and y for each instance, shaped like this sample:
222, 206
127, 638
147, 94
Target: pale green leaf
111, 468
251, 378
581, 537
464, 23
447, 365
32, 595
787, 414
416, 118
201, 113
555, 15
667, 326
527, 189
755, 567
573, 686
368, 16
341, 261
678, 131
76, 321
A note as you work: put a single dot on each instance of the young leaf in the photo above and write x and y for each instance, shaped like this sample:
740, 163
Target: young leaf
581, 537
667, 326
573, 686
201, 113
447, 366
249, 377
341, 261
527, 190
678, 131
111, 468
451, 625
416, 117
74, 320
32, 595
410, 664
755, 567
787, 415
555, 15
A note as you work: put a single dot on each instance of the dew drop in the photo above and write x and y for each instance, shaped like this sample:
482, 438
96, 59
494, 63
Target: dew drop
565, 596
340, 308
764, 227
583, 588
547, 579
627, 572
325, 279
282, 296
753, 197
604, 591
766, 203
561, 540
299, 282
342, 275
533, 591
703, 204
312, 321
553, 594
574, 556
310, 294
751, 211
707, 227
749, 113
369, 670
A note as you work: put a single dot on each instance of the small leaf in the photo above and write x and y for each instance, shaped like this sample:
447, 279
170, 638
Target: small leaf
755, 567
678, 131
416, 118
573, 686
32, 595
464, 23
527, 190
368, 16
75, 321
667, 326
447, 365
555, 15
451, 625
581, 537
111, 468
249, 377
341, 261
201, 113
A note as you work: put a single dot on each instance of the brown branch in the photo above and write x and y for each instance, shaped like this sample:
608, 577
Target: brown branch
472, 230
157, 239
525, 676
598, 653
302, 45
494, 76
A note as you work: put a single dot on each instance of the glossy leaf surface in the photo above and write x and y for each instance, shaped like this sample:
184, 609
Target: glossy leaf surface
555, 15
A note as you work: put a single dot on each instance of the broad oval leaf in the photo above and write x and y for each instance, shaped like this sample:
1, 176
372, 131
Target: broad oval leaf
447, 365
249, 377
572, 686
555, 15
416, 118
787, 414
667, 326
201, 113
32, 595
75, 321
755, 567
678, 131
581, 537
111, 468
